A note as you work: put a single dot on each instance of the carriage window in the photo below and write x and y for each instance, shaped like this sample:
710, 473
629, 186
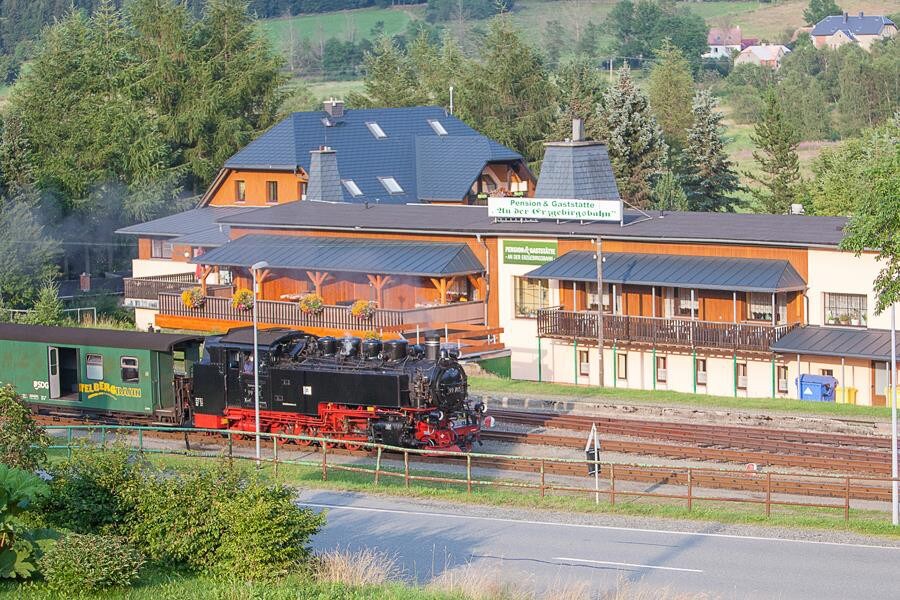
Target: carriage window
130, 371
94, 366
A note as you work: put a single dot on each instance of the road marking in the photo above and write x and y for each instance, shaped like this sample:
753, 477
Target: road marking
588, 526
621, 564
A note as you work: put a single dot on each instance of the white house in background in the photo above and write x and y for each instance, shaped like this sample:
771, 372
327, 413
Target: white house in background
837, 30
767, 55
723, 42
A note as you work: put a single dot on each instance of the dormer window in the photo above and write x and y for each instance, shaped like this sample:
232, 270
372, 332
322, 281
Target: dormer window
391, 185
352, 188
376, 130
437, 126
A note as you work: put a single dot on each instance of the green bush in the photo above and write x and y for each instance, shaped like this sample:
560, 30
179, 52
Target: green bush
22, 442
20, 546
266, 532
90, 562
219, 520
88, 493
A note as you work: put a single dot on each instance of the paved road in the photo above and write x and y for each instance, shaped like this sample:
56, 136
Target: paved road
546, 549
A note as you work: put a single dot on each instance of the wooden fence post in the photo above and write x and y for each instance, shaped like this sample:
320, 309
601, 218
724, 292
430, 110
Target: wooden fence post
324, 461
230, 450
542, 478
690, 494
69, 442
275, 455
768, 494
847, 498
140, 441
612, 484
468, 473
378, 464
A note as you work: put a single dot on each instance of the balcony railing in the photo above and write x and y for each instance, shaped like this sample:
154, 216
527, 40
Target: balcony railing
332, 317
582, 325
148, 289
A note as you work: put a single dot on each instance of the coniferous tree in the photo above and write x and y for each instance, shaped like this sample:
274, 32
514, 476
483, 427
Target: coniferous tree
779, 176
48, 309
581, 88
671, 92
710, 177
819, 9
391, 79
636, 145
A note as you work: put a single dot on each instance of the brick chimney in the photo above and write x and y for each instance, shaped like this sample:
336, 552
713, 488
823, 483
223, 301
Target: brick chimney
84, 282
334, 108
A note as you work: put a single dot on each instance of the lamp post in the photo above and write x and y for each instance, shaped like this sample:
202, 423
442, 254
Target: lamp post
254, 270
895, 517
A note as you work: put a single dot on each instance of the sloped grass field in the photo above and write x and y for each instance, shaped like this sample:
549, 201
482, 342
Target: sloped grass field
344, 25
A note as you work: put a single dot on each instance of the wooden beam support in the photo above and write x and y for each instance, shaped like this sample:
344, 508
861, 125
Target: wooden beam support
378, 282
317, 278
477, 282
204, 273
442, 284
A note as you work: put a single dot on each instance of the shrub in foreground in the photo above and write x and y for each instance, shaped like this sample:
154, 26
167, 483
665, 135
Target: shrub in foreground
23, 443
20, 546
88, 491
90, 562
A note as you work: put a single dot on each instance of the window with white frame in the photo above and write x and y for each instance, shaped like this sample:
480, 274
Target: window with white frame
701, 371
160, 249
584, 363
688, 303
376, 130
352, 187
782, 379
530, 295
391, 185
846, 309
621, 366
742, 376
131, 372
662, 374
93, 366
437, 126
759, 307
591, 293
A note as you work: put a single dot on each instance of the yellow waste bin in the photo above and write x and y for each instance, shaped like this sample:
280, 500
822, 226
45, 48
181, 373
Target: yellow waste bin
845, 395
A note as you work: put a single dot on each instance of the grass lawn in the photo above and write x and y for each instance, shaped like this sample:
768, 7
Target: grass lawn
337, 89
480, 383
344, 25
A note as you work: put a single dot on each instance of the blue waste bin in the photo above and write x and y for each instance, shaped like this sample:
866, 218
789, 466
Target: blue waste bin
816, 388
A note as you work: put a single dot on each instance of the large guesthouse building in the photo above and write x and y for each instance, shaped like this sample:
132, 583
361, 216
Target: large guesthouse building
714, 303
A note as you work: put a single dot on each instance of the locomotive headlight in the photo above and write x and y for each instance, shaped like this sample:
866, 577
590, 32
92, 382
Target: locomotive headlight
480, 408
488, 422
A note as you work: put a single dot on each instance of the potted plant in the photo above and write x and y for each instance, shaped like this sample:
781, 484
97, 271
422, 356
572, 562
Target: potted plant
242, 299
832, 319
362, 309
312, 304
372, 335
193, 298
845, 318
854, 318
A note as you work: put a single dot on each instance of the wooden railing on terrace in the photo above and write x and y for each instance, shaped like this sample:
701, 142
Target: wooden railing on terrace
582, 325
333, 317
149, 288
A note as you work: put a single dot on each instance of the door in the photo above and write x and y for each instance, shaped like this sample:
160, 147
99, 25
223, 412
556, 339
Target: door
880, 383
53, 368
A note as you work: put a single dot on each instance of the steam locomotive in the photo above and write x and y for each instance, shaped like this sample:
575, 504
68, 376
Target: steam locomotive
349, 389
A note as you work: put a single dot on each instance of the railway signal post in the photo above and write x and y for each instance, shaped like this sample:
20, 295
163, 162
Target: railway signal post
255, 271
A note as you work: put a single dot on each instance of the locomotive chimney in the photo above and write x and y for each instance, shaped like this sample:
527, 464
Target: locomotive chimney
432, 346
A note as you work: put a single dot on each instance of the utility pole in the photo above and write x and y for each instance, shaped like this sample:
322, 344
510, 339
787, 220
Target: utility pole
895, 510
599, 256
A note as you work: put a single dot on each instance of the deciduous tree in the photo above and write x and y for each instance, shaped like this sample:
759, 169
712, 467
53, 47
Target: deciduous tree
819, 9
671, 92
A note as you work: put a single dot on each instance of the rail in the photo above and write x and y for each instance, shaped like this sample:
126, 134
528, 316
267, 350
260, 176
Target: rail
769, 488
335, 317
583, 325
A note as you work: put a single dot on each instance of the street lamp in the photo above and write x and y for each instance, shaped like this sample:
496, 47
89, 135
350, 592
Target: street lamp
254, 270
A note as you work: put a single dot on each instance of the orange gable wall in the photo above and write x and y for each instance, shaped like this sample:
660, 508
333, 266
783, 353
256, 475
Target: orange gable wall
288, 187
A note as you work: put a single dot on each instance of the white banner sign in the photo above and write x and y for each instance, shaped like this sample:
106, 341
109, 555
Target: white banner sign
550, 208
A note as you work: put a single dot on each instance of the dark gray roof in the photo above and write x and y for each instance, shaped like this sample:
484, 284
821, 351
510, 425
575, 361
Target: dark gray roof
197, 227
363, 158
86, 336
700, 272
873, 344
346, 255
243, 336
729, 228
579, 170
853, 25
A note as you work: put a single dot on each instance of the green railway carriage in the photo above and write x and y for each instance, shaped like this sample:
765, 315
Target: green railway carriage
100, 372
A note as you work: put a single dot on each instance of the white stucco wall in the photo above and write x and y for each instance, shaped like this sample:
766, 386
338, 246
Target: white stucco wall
149, 267
831, 271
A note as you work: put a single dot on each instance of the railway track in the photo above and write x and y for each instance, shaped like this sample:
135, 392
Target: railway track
850, 460
734, 436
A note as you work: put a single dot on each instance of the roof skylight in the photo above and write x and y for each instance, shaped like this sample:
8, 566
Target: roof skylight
437, 126
391, 185
352, 187
376, 130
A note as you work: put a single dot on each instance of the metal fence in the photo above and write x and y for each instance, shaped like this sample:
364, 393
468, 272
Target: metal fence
541, 475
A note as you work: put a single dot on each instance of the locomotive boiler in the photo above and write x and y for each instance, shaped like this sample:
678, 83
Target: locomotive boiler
350, 389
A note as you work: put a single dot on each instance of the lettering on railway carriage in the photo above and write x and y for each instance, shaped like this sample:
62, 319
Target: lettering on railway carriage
102, 388
41, 385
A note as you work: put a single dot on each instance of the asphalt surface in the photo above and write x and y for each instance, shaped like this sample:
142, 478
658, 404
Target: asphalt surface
543, 551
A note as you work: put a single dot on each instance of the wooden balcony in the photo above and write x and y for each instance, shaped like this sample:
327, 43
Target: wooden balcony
658, 331
144, 291
332, 317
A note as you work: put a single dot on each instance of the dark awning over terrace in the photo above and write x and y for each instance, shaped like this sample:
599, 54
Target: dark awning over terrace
698, 272
387, 257
873, 344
